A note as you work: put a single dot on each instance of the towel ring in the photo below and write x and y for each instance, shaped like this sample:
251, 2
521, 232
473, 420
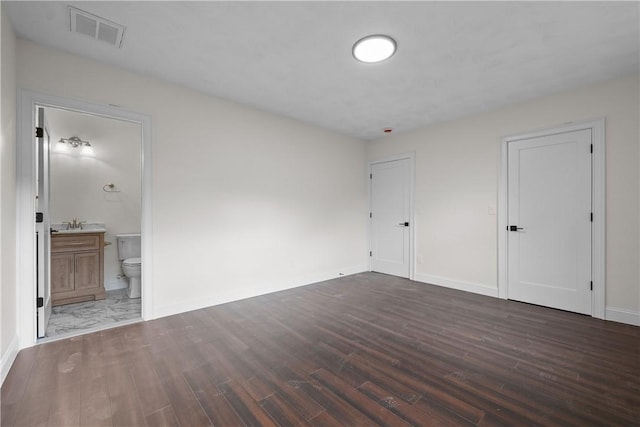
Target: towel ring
110, 188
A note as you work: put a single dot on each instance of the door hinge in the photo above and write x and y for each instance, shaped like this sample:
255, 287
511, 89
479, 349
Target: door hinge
370, 176
39, 302
39, 132
39, 217
591, 216
591, 285
370, 214
591, 149
370, 253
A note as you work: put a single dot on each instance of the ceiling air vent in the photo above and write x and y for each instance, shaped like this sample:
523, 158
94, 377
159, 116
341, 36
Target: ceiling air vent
96, 27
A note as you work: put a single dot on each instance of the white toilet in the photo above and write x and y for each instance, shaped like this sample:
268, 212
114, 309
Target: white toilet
129, 252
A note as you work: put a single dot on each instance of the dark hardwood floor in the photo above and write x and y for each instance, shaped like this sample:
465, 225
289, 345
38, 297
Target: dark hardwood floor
363, 350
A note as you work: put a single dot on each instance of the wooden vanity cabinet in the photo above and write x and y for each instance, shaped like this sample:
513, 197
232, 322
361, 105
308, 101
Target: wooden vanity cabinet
77, 267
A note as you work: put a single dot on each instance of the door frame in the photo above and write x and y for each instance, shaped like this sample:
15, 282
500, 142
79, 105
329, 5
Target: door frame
597, 127
411, 156
44, 241
25, 201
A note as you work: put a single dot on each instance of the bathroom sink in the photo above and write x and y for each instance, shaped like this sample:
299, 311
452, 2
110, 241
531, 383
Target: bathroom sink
93, 227
78, 231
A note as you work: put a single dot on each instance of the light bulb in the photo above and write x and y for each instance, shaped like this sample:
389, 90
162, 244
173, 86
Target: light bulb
374, 48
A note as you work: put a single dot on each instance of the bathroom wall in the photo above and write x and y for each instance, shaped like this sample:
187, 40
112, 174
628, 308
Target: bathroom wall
77, 180
457, 175
8, 286
244, 202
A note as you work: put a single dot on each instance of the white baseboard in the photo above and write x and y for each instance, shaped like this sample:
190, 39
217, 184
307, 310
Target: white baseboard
112, 285
262, 289
622, 315
457, 284
614, 314
8, 358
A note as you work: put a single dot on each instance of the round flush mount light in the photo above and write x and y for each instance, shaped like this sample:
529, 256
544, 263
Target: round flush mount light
374, 48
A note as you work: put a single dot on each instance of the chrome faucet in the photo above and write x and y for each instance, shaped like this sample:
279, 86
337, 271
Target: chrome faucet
75, 224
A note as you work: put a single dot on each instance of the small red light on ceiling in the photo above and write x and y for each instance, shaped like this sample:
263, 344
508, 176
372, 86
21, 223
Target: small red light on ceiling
387, 130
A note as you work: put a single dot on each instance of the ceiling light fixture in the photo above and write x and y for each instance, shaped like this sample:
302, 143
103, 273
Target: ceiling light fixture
374, 48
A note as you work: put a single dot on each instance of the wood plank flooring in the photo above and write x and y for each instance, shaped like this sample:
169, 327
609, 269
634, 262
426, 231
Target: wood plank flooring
363, 350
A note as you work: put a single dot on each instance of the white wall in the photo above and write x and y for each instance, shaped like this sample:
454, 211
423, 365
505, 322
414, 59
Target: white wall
244, 202
77, 180
457, 167
8, 287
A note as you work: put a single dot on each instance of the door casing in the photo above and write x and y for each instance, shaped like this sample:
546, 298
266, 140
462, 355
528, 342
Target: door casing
597, 127
25, 201
42, 229
412, 231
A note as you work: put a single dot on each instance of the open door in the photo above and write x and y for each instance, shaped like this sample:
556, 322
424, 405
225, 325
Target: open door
43, 224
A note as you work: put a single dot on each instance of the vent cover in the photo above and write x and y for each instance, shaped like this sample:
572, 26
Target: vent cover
96, 27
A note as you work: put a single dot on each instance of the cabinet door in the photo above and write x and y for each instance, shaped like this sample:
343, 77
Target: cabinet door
62, 271
87, 270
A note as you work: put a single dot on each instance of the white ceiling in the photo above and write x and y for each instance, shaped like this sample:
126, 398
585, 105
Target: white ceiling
294, 58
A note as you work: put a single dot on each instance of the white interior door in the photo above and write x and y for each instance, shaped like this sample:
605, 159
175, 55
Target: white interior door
43, 240
390, 217
549, 213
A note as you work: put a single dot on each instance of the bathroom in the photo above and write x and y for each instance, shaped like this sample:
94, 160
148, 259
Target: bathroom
94, 192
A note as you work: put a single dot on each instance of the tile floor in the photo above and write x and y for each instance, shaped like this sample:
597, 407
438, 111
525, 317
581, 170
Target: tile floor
81, 317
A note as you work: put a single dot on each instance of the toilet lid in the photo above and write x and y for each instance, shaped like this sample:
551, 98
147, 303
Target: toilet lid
132, 261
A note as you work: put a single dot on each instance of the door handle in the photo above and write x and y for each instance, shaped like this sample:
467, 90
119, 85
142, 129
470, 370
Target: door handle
514, 228
404, 224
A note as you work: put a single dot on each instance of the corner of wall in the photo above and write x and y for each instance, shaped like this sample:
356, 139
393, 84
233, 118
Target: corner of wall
8, 288
7, 358
622, 315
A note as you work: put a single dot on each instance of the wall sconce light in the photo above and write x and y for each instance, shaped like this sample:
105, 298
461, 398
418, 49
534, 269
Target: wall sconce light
75, 142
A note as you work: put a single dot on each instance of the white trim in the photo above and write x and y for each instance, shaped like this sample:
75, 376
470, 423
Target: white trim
412, 196
116, 284
623, 315
25, 188
262, 289
77, 333
598, 207
8, 358
502, 221
457, 284
598, 200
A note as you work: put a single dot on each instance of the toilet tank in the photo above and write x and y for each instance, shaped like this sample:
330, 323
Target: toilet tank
128, 246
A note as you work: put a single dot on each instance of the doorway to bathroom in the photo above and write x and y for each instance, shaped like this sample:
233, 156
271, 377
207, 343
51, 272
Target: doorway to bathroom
89, 174
28, 296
